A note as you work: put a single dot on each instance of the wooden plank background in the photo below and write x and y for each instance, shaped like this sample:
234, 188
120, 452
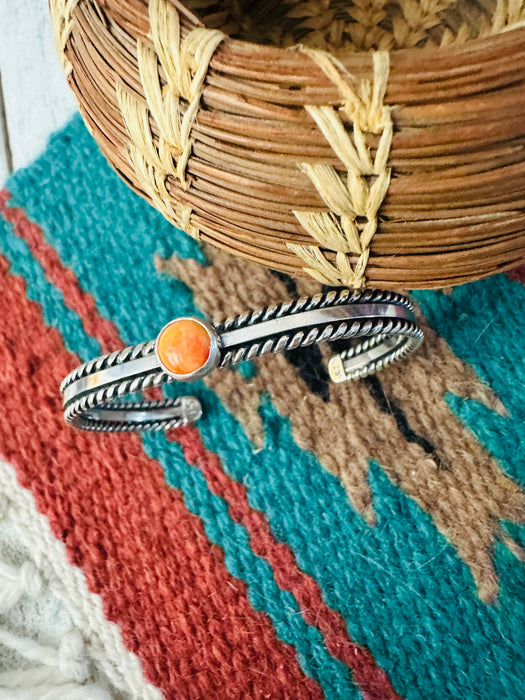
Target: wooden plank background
34, 97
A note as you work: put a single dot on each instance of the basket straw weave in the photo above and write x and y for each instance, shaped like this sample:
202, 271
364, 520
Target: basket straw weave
364, 142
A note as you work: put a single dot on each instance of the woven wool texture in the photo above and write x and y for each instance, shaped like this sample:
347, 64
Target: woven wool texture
303, 540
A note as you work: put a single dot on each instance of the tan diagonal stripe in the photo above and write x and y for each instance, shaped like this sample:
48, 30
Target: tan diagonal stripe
466, 501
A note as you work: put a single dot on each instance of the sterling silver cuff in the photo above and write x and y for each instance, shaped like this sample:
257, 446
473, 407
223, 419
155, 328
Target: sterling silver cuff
379, 326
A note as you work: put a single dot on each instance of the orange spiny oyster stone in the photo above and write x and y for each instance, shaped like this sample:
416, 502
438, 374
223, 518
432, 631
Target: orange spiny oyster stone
184, 346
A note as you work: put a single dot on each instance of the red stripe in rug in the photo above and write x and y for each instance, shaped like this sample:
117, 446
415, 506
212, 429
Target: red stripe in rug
78, 300
371, 679
517, 274
187, 619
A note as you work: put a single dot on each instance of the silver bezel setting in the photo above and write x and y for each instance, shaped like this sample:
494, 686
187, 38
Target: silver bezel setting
213, 358
380, 327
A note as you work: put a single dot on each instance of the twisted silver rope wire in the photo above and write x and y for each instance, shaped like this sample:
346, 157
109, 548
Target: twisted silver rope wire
84, 411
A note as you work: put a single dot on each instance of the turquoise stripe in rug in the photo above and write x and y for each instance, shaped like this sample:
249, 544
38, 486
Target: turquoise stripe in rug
402, 589
263, 592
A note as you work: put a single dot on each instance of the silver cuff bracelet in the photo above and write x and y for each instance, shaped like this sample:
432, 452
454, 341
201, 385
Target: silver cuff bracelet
379, 325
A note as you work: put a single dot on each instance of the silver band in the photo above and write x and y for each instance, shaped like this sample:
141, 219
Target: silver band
379, 324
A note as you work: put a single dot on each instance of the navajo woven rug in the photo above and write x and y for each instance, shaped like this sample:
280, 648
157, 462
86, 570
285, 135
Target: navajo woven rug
302, 540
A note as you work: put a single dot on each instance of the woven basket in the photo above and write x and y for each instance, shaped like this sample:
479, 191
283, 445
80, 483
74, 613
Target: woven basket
368, 142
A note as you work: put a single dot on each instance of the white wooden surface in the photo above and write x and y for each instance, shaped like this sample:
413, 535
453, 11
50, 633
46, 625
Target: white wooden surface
35, 97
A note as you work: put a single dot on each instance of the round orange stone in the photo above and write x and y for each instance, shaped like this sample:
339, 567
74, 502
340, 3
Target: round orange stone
184, 346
